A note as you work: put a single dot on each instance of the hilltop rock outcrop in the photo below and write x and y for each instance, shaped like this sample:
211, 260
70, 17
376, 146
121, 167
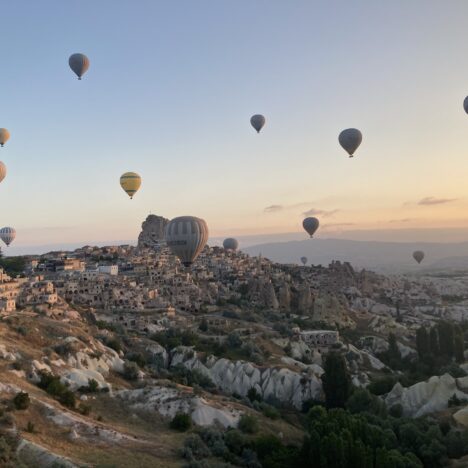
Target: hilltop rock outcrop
152, 231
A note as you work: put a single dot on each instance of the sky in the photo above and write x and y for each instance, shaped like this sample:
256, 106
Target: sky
169, 94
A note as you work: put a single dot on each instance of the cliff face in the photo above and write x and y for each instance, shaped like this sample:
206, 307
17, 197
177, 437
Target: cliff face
152, 231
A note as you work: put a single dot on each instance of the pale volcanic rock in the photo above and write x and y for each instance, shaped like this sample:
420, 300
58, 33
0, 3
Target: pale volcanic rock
426, 397
239, 377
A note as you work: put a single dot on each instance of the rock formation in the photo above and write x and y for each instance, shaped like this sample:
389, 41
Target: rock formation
152, 231
427, 397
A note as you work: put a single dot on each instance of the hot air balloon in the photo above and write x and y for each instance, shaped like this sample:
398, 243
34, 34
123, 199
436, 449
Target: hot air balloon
79, 63
310, 225
465, 104
3, 171
304, 260
350, 139
186, 236
257, 121
4, 136
7, 234
130, 182
230, 243
418, 255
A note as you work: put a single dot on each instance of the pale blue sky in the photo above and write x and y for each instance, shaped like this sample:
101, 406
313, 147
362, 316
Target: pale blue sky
169, 94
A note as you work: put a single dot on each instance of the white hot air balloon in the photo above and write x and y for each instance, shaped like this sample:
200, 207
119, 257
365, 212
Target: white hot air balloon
7, 234
186, 236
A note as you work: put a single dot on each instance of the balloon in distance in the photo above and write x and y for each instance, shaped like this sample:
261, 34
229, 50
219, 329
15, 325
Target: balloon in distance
186, 236
230, 243
350, 139
130, 182
7, 234
3, 171
310, 225
79, 63
257, 121
418, 255
4, 136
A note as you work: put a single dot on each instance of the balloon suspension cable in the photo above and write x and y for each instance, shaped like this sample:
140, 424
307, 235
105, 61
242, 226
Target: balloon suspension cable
79, 78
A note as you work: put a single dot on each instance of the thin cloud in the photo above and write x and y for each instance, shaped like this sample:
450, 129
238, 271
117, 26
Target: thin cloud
273, 208
338, 225
404, 220
317, 212
276, 208
428, 201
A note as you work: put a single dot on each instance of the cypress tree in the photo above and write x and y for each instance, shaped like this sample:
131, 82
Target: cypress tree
336, 381
422, 342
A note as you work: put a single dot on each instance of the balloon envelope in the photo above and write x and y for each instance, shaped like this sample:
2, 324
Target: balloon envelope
350, 139
79, 63
230, 243
304, 260
4, 136
465, 104
310, 225
186, 236
418, 255
3, 171
257, 121
7, 234
130, 182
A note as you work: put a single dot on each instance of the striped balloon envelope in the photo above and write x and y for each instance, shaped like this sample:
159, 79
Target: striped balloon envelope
130, 182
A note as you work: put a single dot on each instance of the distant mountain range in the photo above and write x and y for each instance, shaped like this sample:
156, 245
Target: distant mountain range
385, 257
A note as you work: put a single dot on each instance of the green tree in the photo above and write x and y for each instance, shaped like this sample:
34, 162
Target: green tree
446, 338
422, 342
434, 348
21, 401
181, 422
336, 381
459, 346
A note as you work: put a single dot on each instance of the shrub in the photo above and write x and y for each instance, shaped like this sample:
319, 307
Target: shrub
68, 399
270, 412
21, 401
181, 422
248, 424
30, 427
253, 395
93, 386
114, 343
195, 446
137, 358
131, 370
396, 411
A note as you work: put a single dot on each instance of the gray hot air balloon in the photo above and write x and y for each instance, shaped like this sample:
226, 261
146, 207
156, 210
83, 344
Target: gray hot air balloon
186, 236
7, 234
310, 225
79, 63
304, 260
257, 121
230, 243
465, 104
418, 255
350, 139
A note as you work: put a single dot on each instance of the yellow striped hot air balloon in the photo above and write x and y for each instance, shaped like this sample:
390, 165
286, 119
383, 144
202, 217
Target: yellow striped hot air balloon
130, 182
